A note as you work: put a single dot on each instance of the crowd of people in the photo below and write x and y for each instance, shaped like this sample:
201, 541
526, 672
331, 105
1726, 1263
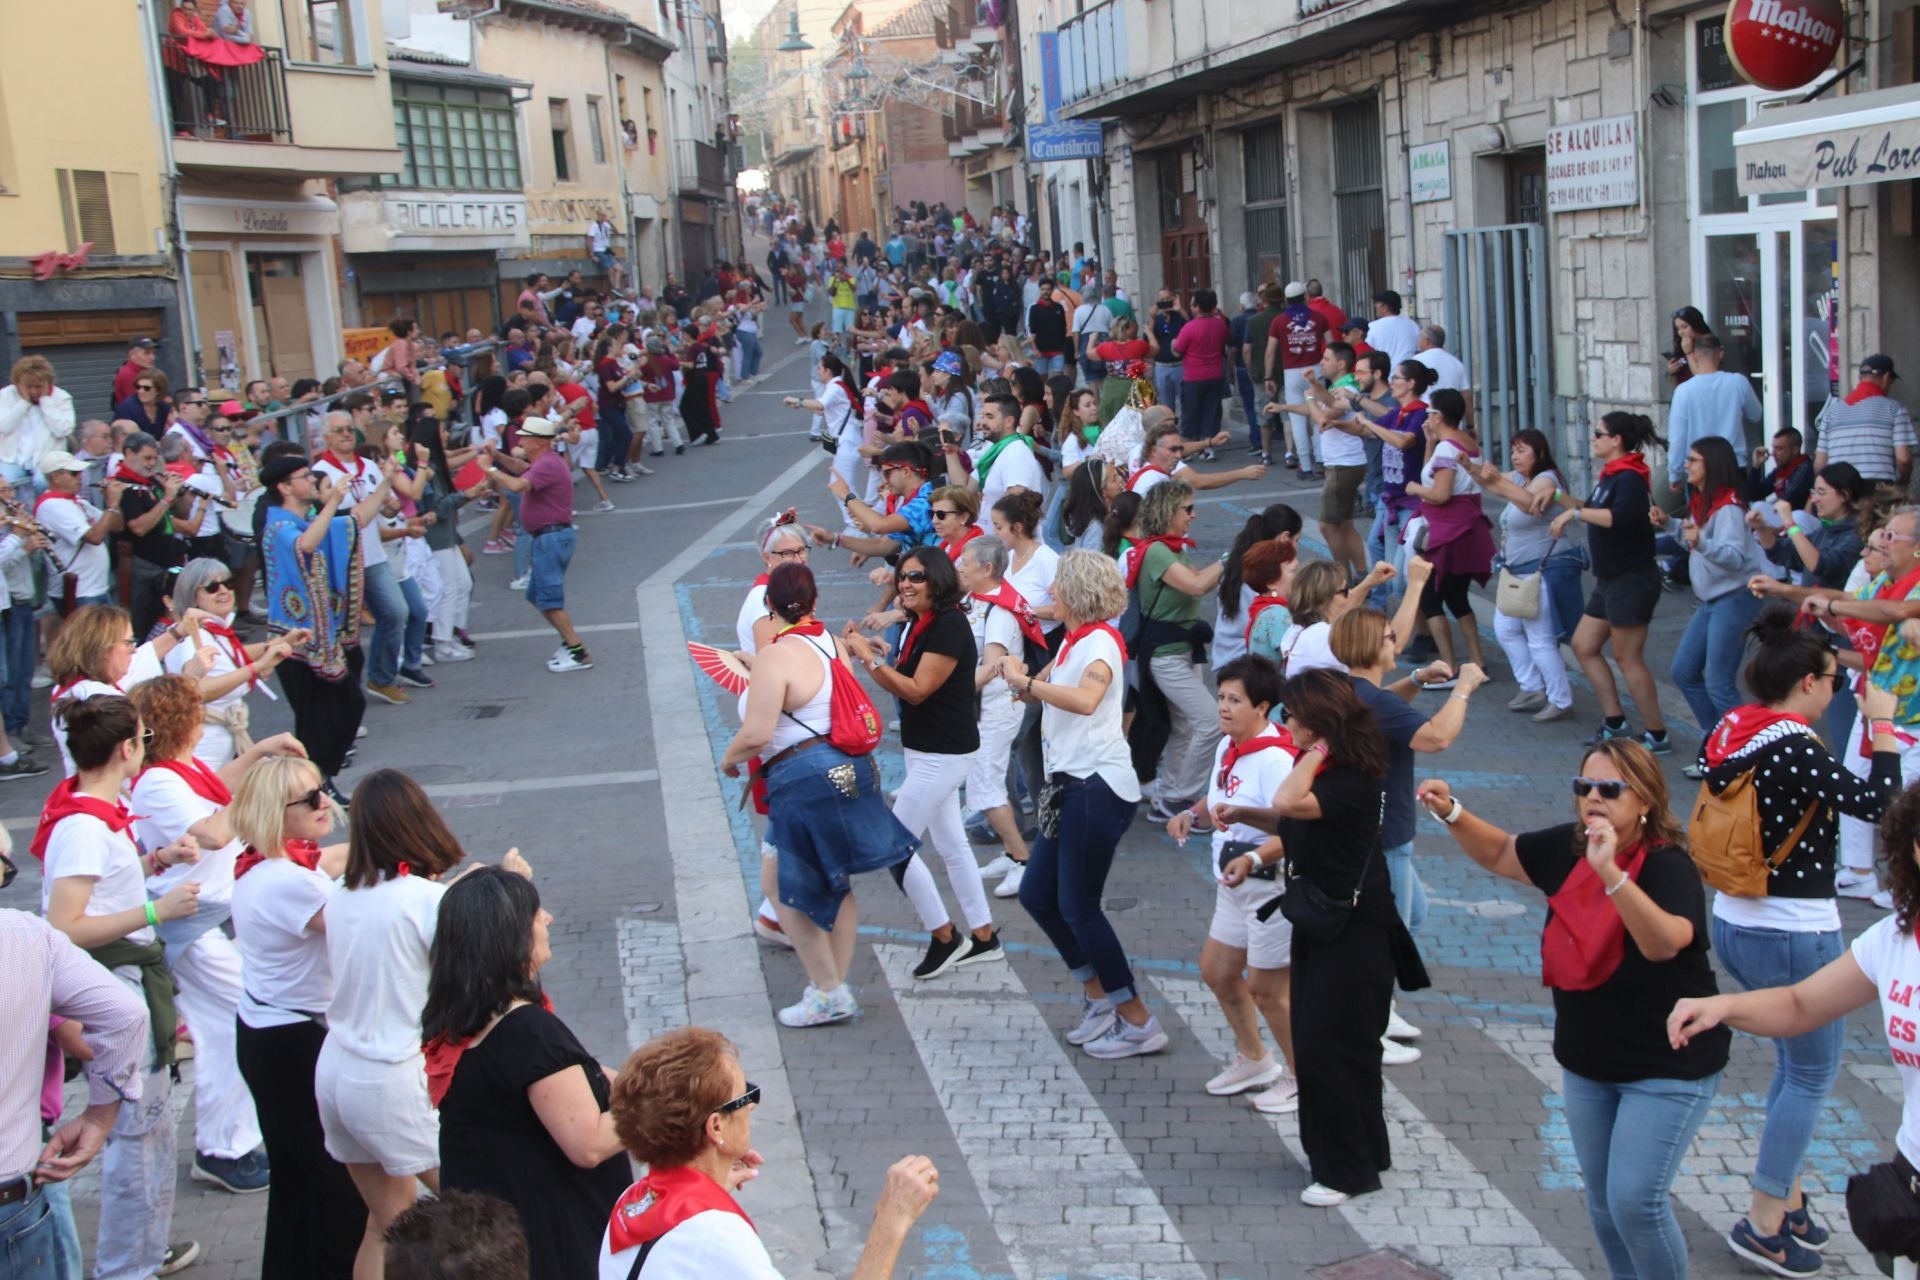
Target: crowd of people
1058, 659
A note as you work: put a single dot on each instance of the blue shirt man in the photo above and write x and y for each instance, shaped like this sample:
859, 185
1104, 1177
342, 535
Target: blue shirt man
1710, 403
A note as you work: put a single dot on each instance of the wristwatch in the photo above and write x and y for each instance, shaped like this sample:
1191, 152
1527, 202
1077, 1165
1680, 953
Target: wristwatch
1452, 815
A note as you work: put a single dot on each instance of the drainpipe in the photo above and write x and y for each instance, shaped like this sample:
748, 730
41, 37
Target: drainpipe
170, 189
1406, 167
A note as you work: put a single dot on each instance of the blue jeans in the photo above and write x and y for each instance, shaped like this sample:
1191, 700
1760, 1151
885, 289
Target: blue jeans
1166, 384
1629, 1139
551, 554
17, 646
1804, 1067
1243, 383
1383, 543
32, 1244
1706, 663
1201, 404
1376, 475
413, 648
749, 344
389, 606
1045, 365
1066, 875
1409, 895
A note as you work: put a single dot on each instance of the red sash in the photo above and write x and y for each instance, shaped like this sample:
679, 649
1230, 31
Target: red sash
1585, 938
66, 801
663, 1200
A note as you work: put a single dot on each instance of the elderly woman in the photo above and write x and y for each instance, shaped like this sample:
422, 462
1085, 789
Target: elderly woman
1086, 805
95, 653
233, 668
282, 885
1003, 626
1625, 941
684, 1108
956, 517
784, 541
523, 1105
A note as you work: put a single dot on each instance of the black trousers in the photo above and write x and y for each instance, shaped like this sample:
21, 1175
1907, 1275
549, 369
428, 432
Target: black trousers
315, 1217
326, 713
151, 582
1341, 994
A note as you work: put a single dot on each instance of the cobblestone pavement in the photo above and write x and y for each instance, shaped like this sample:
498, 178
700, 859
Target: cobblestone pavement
1053, 1164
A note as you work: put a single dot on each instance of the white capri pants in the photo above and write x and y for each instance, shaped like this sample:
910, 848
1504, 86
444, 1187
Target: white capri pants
208, 976
928, 805
1858, 846
456, 592
1268, 943
1000, 718
1533, 651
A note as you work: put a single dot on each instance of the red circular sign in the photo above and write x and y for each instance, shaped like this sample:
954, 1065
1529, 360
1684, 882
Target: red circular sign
1783, 44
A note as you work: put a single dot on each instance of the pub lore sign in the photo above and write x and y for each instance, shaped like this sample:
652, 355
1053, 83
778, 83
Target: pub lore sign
1593, 165
1783, 44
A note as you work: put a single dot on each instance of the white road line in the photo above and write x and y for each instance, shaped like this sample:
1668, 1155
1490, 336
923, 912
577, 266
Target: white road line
725, 987
565, 782
1064, 1195
1474, 1214
1713, 1174
534, 633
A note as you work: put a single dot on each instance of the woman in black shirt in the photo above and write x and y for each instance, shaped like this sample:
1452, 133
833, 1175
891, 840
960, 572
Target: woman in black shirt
1626, 937
940, 729
523, 1107
1626, 579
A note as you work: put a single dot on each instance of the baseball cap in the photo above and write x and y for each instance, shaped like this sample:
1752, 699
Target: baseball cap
148, 343
539, 428
60, 460
1295, 289
949, 362
1879, 364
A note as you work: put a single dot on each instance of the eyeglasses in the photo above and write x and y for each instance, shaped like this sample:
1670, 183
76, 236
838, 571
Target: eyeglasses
791, 553
315, 800
1839, 677
1609, 788
751, 1098
915, 576
130, 640
1390, 637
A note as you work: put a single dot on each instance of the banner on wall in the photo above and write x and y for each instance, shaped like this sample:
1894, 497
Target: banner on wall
1593, 165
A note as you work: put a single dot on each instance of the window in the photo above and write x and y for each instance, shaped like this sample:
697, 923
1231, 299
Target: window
560, 127
1264, 165
87, 209
324, 31
454, 137
596, 132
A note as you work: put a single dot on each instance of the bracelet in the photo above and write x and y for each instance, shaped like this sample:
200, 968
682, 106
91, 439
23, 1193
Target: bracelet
153, 916
1880, 726
1463, 697
1618, 885
1452, 815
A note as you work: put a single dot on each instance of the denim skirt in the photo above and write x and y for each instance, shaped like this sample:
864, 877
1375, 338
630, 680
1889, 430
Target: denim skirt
830, 821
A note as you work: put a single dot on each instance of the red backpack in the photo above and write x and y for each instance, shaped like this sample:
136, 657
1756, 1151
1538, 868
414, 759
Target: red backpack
854, 725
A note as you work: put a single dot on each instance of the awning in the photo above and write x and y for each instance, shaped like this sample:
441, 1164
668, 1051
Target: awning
1841, 142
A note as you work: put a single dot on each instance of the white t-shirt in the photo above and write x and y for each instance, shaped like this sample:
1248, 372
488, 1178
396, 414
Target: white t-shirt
1090, 744
1254, 780
285, 962
1452, 373
492, 428
1145, 482
707, 1245
166, 807
1397, 336
1342, 449
752, 610
1447, 454
1309, 648
366, 478
82, 845
993, 625
1013, 467
1089, 318
216, 743
600, 236
67, 522
145, 666
1034, 580
1230, 634
1891, 961
583, 327
377, 941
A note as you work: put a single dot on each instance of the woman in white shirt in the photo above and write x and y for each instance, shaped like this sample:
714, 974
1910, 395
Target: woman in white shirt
1318, 600
1031, 566
95, 653
93, 889
233, 669
1086, 805
282, 884
370, 1080
838, 405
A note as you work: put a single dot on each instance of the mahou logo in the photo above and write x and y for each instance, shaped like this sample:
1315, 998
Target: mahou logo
1783, 44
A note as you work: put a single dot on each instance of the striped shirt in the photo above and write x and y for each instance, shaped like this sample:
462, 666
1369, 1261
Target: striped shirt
1866, 434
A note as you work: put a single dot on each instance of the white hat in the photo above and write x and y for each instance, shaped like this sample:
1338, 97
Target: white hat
539, 428
60, 460
1295, 289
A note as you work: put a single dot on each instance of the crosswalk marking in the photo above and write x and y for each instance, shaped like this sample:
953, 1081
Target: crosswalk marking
977, 1031
1472, 1213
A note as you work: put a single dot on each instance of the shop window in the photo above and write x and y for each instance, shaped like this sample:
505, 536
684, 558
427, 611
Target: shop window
1359, 199
456, 138
596, 129
560, 129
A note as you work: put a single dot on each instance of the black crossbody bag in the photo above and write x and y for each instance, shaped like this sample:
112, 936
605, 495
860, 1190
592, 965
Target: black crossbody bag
1884, 1206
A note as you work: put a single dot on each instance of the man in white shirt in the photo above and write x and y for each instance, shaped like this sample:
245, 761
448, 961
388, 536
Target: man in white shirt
35, 416
1390, 331
1003, 461
78, 530
1450, 373
585, 325
600, 246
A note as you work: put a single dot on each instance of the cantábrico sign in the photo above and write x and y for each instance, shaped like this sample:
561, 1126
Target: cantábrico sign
1837, 142
1783, 44
1593, 165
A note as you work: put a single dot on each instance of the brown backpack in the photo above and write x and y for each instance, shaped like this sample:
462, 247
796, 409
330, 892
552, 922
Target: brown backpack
1725, 841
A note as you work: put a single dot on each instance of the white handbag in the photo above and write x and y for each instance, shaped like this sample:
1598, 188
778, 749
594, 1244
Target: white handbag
1518, 596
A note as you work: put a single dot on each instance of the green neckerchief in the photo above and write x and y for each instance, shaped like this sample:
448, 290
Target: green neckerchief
987, 459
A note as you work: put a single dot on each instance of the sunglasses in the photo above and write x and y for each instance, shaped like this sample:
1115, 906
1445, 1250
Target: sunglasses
146, 734
218, 584
143, 386
1603, 435
944, 515
915, 576
1609, 788
1188, 508
750, 1098
315, 800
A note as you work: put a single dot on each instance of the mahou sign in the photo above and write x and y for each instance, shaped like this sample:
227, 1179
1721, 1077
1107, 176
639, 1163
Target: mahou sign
1783, 44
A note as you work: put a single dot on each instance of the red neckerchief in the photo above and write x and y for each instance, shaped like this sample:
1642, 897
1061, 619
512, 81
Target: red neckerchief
1865, 391
182, 468
304, 853
66, 801
763, 580
1259, 606
810, 628
1783, 476
51, 496
1271, 739
1701, 508
1167, 540
130, 476
953, 548
1016, 604
1869, 637
62, 690
230, 641
443, 1057
1634, 462
920, 624
1144, 470
1585, 938
204, 781
663, 1200
353, 471
1739, 727
1060, 659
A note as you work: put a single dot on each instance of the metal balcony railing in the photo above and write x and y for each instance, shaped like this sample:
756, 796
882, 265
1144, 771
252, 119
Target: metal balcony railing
1093, 52
703, 168
230, 104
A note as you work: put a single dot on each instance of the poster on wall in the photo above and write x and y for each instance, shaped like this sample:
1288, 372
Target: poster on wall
1431, 165
1593, 165
228, 352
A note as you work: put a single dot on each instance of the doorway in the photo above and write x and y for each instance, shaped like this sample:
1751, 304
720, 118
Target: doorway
1186, 252
278, 296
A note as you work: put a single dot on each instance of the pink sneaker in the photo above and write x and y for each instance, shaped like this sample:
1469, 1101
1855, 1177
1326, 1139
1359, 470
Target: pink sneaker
496, 548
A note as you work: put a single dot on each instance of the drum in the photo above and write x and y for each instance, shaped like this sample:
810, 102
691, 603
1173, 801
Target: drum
237, 519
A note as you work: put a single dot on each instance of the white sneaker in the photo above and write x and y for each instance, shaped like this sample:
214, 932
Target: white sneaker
42, 678
1395, 1054
1000, 866
427, 659
452, 653
817, 1009
1095, 1017
1281, 1099
1244, 1073
770, 931
1856, 884
519, 584
1010, 887
1883, 900
603, 505
1398, 1028
1124, 1040
566, 662
1323, 1197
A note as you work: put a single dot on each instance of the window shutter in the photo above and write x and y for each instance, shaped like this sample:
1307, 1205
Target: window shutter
87, 209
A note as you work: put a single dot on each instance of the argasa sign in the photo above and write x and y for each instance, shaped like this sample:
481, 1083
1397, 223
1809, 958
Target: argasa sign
1783, 44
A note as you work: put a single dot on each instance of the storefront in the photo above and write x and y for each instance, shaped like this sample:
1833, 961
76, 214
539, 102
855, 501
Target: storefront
265, 301
430, 255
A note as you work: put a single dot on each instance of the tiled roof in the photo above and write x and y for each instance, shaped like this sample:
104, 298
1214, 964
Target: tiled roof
915, 21
588, 8
400, 53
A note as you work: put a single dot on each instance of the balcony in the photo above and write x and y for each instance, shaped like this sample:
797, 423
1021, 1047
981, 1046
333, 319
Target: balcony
971, 128
1093, 52
240, 104
273, 118
702, 169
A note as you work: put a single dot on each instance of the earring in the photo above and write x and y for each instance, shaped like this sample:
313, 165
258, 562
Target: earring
1643, 819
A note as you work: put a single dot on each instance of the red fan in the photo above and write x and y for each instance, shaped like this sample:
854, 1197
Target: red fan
471, 476
720, 666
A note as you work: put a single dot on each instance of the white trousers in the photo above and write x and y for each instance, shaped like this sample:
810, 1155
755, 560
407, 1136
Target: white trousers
1858, 846
1000, 718
660, 422
456, 592
1306, 440
851, 466
1533, 652
928, 805
137, 1173
208, 975
426, 573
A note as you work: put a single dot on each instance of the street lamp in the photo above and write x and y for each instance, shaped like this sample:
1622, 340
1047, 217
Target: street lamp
794, 42
858, 71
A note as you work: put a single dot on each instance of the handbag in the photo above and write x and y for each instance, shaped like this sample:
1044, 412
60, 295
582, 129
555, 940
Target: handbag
1517, 595
1884, 1206
831, 443
1312, 911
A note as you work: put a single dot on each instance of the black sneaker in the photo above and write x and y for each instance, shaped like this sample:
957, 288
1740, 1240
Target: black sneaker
1420, 647
416, 677
179, 1257
24, 767
979, 949
942, 956
1660, 744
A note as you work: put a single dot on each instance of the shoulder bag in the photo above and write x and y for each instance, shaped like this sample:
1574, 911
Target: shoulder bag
1884, 1206
1312, 911
1517, 595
